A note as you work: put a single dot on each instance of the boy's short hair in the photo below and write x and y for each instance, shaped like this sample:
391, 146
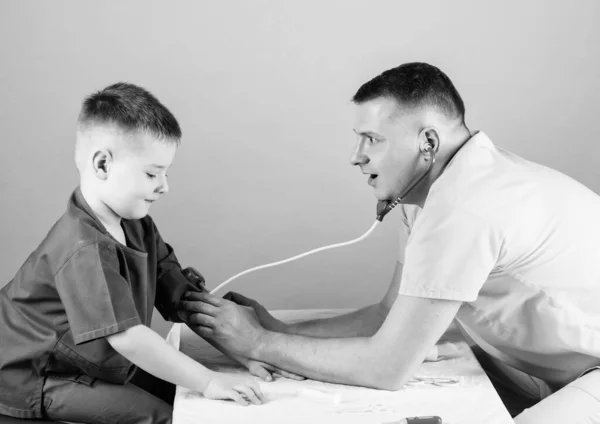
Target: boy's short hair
132, 108
415, 84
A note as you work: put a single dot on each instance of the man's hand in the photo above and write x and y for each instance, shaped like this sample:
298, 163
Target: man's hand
266, 371
233, 327
259, 369
264, 317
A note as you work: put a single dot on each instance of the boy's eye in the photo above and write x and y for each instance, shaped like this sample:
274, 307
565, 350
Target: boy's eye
150, 175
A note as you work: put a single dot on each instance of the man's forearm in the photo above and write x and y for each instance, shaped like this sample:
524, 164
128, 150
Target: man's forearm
360, 323
353, 361
385, 360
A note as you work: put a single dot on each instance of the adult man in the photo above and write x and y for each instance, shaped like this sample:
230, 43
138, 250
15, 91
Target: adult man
487, 239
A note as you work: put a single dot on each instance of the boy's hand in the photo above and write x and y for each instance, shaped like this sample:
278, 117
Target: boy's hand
241, 389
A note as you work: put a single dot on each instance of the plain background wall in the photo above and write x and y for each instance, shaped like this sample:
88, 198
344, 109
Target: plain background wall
261, 90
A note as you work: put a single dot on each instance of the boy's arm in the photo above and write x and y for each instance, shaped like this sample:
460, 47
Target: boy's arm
145, 348
171, 283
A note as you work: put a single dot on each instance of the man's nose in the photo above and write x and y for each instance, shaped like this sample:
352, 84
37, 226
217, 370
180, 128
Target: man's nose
358, 156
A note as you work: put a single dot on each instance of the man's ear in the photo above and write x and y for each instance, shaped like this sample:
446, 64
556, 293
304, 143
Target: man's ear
429, 139
101, 163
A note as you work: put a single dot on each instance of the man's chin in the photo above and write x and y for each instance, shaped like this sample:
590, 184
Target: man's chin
383, 196
386, 197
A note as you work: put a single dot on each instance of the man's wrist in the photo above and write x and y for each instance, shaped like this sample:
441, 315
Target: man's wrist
279, 326
265, 337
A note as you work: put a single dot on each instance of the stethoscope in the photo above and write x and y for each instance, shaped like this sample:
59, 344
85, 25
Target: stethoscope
383, 208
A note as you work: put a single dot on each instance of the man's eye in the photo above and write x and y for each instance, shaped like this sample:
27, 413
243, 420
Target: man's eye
150, 175
371, 140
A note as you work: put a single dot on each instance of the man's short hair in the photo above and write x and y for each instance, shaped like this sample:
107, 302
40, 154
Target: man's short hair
131, 108
415, 84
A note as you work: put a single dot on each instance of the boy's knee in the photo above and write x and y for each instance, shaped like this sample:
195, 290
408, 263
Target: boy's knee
71, 401
162, 417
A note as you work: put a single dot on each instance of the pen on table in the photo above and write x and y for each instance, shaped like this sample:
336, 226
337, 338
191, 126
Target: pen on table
418, 420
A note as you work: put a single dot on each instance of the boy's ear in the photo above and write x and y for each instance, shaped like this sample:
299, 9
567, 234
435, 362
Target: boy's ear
101, 162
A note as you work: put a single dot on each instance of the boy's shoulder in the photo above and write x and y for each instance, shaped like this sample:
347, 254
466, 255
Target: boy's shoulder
74, 230
79, 236
79, 230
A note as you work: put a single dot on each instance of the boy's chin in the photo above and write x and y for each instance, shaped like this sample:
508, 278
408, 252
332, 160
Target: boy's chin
135, 215
140, 215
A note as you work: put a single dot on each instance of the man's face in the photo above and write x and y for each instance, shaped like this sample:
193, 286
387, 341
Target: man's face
387, 148
138, 175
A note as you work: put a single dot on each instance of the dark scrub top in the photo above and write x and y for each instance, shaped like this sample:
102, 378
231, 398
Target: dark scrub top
79, 286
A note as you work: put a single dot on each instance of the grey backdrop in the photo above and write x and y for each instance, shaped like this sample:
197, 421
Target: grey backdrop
262, 92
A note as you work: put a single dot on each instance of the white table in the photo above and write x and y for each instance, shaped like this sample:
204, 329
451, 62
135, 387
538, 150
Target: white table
472, 400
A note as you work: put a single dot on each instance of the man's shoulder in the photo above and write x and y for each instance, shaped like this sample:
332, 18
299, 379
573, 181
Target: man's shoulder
506, 191
482, 171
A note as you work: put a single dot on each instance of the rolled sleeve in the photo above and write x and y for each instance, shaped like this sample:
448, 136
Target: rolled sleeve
408, 214
171, 283
97, 299
449, 255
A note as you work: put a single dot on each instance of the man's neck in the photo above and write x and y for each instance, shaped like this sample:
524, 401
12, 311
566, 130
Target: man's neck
453, 144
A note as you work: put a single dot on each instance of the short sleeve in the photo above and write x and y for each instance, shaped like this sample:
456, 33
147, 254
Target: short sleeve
171, 283
97, 299
449, 255
403, 240
408, 214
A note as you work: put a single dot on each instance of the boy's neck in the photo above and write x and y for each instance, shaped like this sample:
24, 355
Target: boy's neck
108, 218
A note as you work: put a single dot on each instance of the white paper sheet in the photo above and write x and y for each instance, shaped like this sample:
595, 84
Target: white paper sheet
471, 400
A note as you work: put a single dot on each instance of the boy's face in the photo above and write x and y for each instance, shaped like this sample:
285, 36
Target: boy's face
137, 175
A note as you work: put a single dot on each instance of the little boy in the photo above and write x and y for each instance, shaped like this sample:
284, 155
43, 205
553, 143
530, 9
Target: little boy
74, 322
